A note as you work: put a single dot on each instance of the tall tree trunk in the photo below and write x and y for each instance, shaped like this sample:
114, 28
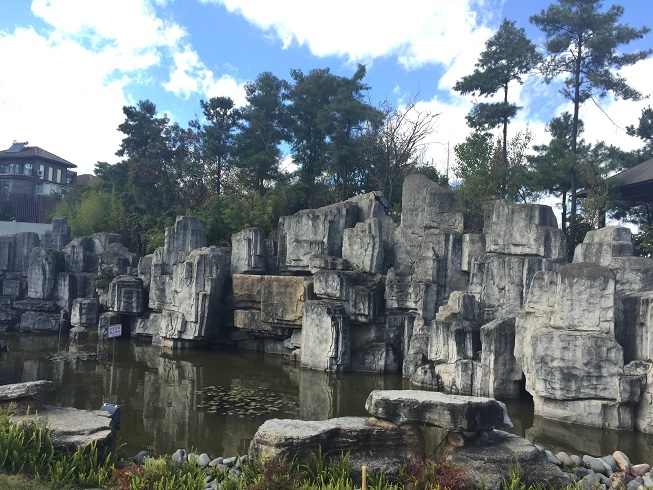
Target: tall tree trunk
504, 170
574, 149
563, 214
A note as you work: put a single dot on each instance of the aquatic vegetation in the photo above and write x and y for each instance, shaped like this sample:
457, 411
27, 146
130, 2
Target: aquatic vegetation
245, 402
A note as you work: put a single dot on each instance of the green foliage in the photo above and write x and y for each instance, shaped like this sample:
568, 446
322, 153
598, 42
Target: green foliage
585, 44
27, 447
158, 474
508, 55
643, 242
106, 274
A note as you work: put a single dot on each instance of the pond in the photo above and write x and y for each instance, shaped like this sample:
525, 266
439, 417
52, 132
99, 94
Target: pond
213, 400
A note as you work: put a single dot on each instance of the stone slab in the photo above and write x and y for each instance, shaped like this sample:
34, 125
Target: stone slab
377, 444
451, 412
29, 389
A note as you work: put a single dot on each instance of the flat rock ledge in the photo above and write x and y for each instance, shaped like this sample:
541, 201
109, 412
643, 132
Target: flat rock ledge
451, 412
73, 428
377, 444
31, 389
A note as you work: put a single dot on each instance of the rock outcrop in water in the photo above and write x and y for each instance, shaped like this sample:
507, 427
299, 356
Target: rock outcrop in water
344, 287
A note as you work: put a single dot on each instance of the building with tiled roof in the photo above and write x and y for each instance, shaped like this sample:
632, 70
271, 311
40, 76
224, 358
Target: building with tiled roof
29, 175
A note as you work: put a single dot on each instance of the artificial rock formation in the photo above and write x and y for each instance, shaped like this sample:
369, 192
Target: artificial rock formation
393, 436
186, 286
497, 313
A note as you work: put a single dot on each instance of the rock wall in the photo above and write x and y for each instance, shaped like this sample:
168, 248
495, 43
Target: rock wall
497, 314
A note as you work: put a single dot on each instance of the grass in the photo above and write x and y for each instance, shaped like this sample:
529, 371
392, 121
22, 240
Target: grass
30, 460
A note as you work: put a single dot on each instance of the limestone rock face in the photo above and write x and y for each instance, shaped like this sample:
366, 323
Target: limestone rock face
361, 294
363, 246
186, 286
58, 237
493, 455
568, 350
249, 252
451, 412
500, 373
602, 245
7, 247
85, 312
633, 324
23, 245
126, 295
37, 321
79, 255
313, 231
379, 445
30, 389
538, 231
186, 235
41, 273
325, 336
282, 299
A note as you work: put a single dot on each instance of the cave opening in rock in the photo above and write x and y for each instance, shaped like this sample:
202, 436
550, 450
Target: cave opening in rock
524, 395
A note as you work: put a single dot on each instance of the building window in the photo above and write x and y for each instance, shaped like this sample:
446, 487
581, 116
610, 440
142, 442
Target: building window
27, 169
39, 188
50, 174
41, 172
59, 175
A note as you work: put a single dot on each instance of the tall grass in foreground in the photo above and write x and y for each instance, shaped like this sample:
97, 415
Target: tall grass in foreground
26, 447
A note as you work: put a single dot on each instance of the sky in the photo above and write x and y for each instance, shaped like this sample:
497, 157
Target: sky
69, 66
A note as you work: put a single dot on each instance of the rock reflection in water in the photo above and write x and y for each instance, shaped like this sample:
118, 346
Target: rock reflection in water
166, 396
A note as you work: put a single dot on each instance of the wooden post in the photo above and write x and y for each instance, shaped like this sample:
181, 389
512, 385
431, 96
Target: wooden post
364, 478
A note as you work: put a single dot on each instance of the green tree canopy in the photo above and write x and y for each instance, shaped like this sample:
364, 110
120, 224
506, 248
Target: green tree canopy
508, 55
584, 43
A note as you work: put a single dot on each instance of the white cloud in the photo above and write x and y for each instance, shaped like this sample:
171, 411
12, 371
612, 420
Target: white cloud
61, 101
76, 74
190, 75
415, 31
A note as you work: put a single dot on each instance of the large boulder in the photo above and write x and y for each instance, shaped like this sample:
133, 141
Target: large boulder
186, 235
41, 273
58, 237
38, 321
602, 245
126, 295
283, 297
23, 244
313, 231
363, 246
325, 336
249, 252
491, 457
539, 233
451, 412
73, 429
379, 445
30, 389
85, 312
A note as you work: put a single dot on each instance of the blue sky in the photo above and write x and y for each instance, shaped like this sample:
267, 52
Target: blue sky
68, 66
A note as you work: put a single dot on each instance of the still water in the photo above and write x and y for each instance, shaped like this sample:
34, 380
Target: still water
213, 400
